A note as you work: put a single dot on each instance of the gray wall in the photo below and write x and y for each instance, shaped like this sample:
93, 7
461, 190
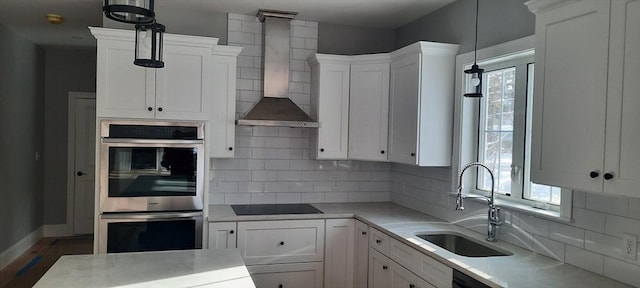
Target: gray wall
21, 128
499, 21
351, 40
67, 69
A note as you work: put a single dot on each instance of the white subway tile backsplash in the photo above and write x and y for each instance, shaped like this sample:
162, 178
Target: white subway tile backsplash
304, 31
277, 142
622, 271
312, 197
589, 220
607, 204
324, 186
301, 187
616, 226
234, 25
579, 199
265, 131
547, 247
311, 43
533, 225
237, 176
566, 234
340, 176
297, 42
276, 187
252, 27
240, 38
584, 259
289, 175
276, 164
242, 17
250, 164
285, 198
264, 175
263, 198
237, 198
336, 197
314, 175
360, 175
348, 186
359, 196
250, 187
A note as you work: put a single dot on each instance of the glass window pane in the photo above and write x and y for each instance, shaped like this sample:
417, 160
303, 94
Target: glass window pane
496, 147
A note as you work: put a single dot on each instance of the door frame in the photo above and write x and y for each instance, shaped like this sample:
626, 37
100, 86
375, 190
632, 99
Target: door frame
71, 156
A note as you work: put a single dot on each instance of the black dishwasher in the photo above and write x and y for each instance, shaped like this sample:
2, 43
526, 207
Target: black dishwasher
460, 280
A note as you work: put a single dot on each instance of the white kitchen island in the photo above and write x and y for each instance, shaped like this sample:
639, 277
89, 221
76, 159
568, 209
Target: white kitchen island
183, 268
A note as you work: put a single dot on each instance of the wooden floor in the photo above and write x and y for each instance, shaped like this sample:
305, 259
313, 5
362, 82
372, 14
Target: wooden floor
28, 268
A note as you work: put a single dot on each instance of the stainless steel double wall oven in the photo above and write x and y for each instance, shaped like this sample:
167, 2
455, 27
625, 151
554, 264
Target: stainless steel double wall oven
151, 188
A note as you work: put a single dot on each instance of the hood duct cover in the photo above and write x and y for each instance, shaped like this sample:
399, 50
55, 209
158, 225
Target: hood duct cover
275, 108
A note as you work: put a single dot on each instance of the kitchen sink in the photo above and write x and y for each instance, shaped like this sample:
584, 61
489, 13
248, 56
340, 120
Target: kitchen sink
462, 245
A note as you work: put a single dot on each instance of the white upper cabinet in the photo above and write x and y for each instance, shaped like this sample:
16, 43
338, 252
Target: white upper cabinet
350, 99
587, 95
179, 91
421, 104
222, 130
330, 106
369, 107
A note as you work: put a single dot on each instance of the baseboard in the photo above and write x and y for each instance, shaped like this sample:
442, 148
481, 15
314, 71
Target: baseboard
57, 230
15, 251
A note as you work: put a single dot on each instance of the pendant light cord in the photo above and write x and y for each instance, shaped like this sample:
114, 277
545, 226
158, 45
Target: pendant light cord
475, 47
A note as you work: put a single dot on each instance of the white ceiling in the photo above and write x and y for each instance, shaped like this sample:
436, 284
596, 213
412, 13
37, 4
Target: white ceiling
27, 17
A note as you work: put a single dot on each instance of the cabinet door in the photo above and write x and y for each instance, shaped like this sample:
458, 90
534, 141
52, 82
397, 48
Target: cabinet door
332, 110
183, 86
339, 253
369, 111
267, 242
403, 110
123, 90
287, 275
623, 101
402, 278
222, 235
569, 104
222, 129
379, 270
361, 270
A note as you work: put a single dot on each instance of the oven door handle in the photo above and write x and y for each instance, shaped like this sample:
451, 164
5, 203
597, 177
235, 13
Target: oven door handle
161, 215
150, 141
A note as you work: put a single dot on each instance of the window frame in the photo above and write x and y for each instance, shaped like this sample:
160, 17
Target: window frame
467, 131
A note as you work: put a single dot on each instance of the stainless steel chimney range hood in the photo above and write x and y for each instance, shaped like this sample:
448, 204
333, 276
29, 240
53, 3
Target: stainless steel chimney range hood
275, 108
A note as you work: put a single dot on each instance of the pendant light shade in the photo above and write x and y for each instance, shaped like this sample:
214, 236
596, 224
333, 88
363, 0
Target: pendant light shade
129, 11
474, 88
148, 51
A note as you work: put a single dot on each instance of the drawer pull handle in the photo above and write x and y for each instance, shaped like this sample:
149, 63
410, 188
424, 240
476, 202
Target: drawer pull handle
594, 174
384, 267
412, 286
378, 241
364, 232
608, 176
281, 243
231, 232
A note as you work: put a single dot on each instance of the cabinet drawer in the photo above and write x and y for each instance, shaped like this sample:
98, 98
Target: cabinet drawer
287, 275
434, 272
379, 241
267, 242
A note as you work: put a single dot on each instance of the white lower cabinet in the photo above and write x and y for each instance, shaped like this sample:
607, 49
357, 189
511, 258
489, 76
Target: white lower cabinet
222, 235
339, 256
283, 254
288, 275
403, 278
361, 249
379, 273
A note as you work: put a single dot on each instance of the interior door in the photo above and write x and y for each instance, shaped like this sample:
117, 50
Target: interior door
84, 188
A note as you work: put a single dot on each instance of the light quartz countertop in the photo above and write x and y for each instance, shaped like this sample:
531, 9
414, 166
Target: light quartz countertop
183, 268
522, 269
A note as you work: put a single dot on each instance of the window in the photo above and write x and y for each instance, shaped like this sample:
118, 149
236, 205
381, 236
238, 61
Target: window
496, 129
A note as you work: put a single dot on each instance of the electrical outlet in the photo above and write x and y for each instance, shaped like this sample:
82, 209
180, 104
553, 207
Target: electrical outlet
629, 246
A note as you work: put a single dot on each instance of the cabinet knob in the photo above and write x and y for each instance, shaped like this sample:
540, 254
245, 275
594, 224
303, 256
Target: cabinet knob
378, 241
382, 152
594, 174
230, 148
412, 286
364, 232
80, 173
321, 149
231, 232
280, 286
413, 154
608, 176
150, 108
384, 267
281, 243
160, 109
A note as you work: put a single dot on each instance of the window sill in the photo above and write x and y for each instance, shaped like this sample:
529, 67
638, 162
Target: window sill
523, 208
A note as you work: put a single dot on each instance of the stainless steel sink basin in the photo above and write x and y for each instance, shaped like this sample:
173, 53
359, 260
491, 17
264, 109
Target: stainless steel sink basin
461, 245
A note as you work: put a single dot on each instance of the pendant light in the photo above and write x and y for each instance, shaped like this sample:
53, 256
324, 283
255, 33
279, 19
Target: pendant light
129, 11
474, 90
148, 51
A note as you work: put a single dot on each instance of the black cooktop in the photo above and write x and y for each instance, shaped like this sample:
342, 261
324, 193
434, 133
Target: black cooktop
274, 209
